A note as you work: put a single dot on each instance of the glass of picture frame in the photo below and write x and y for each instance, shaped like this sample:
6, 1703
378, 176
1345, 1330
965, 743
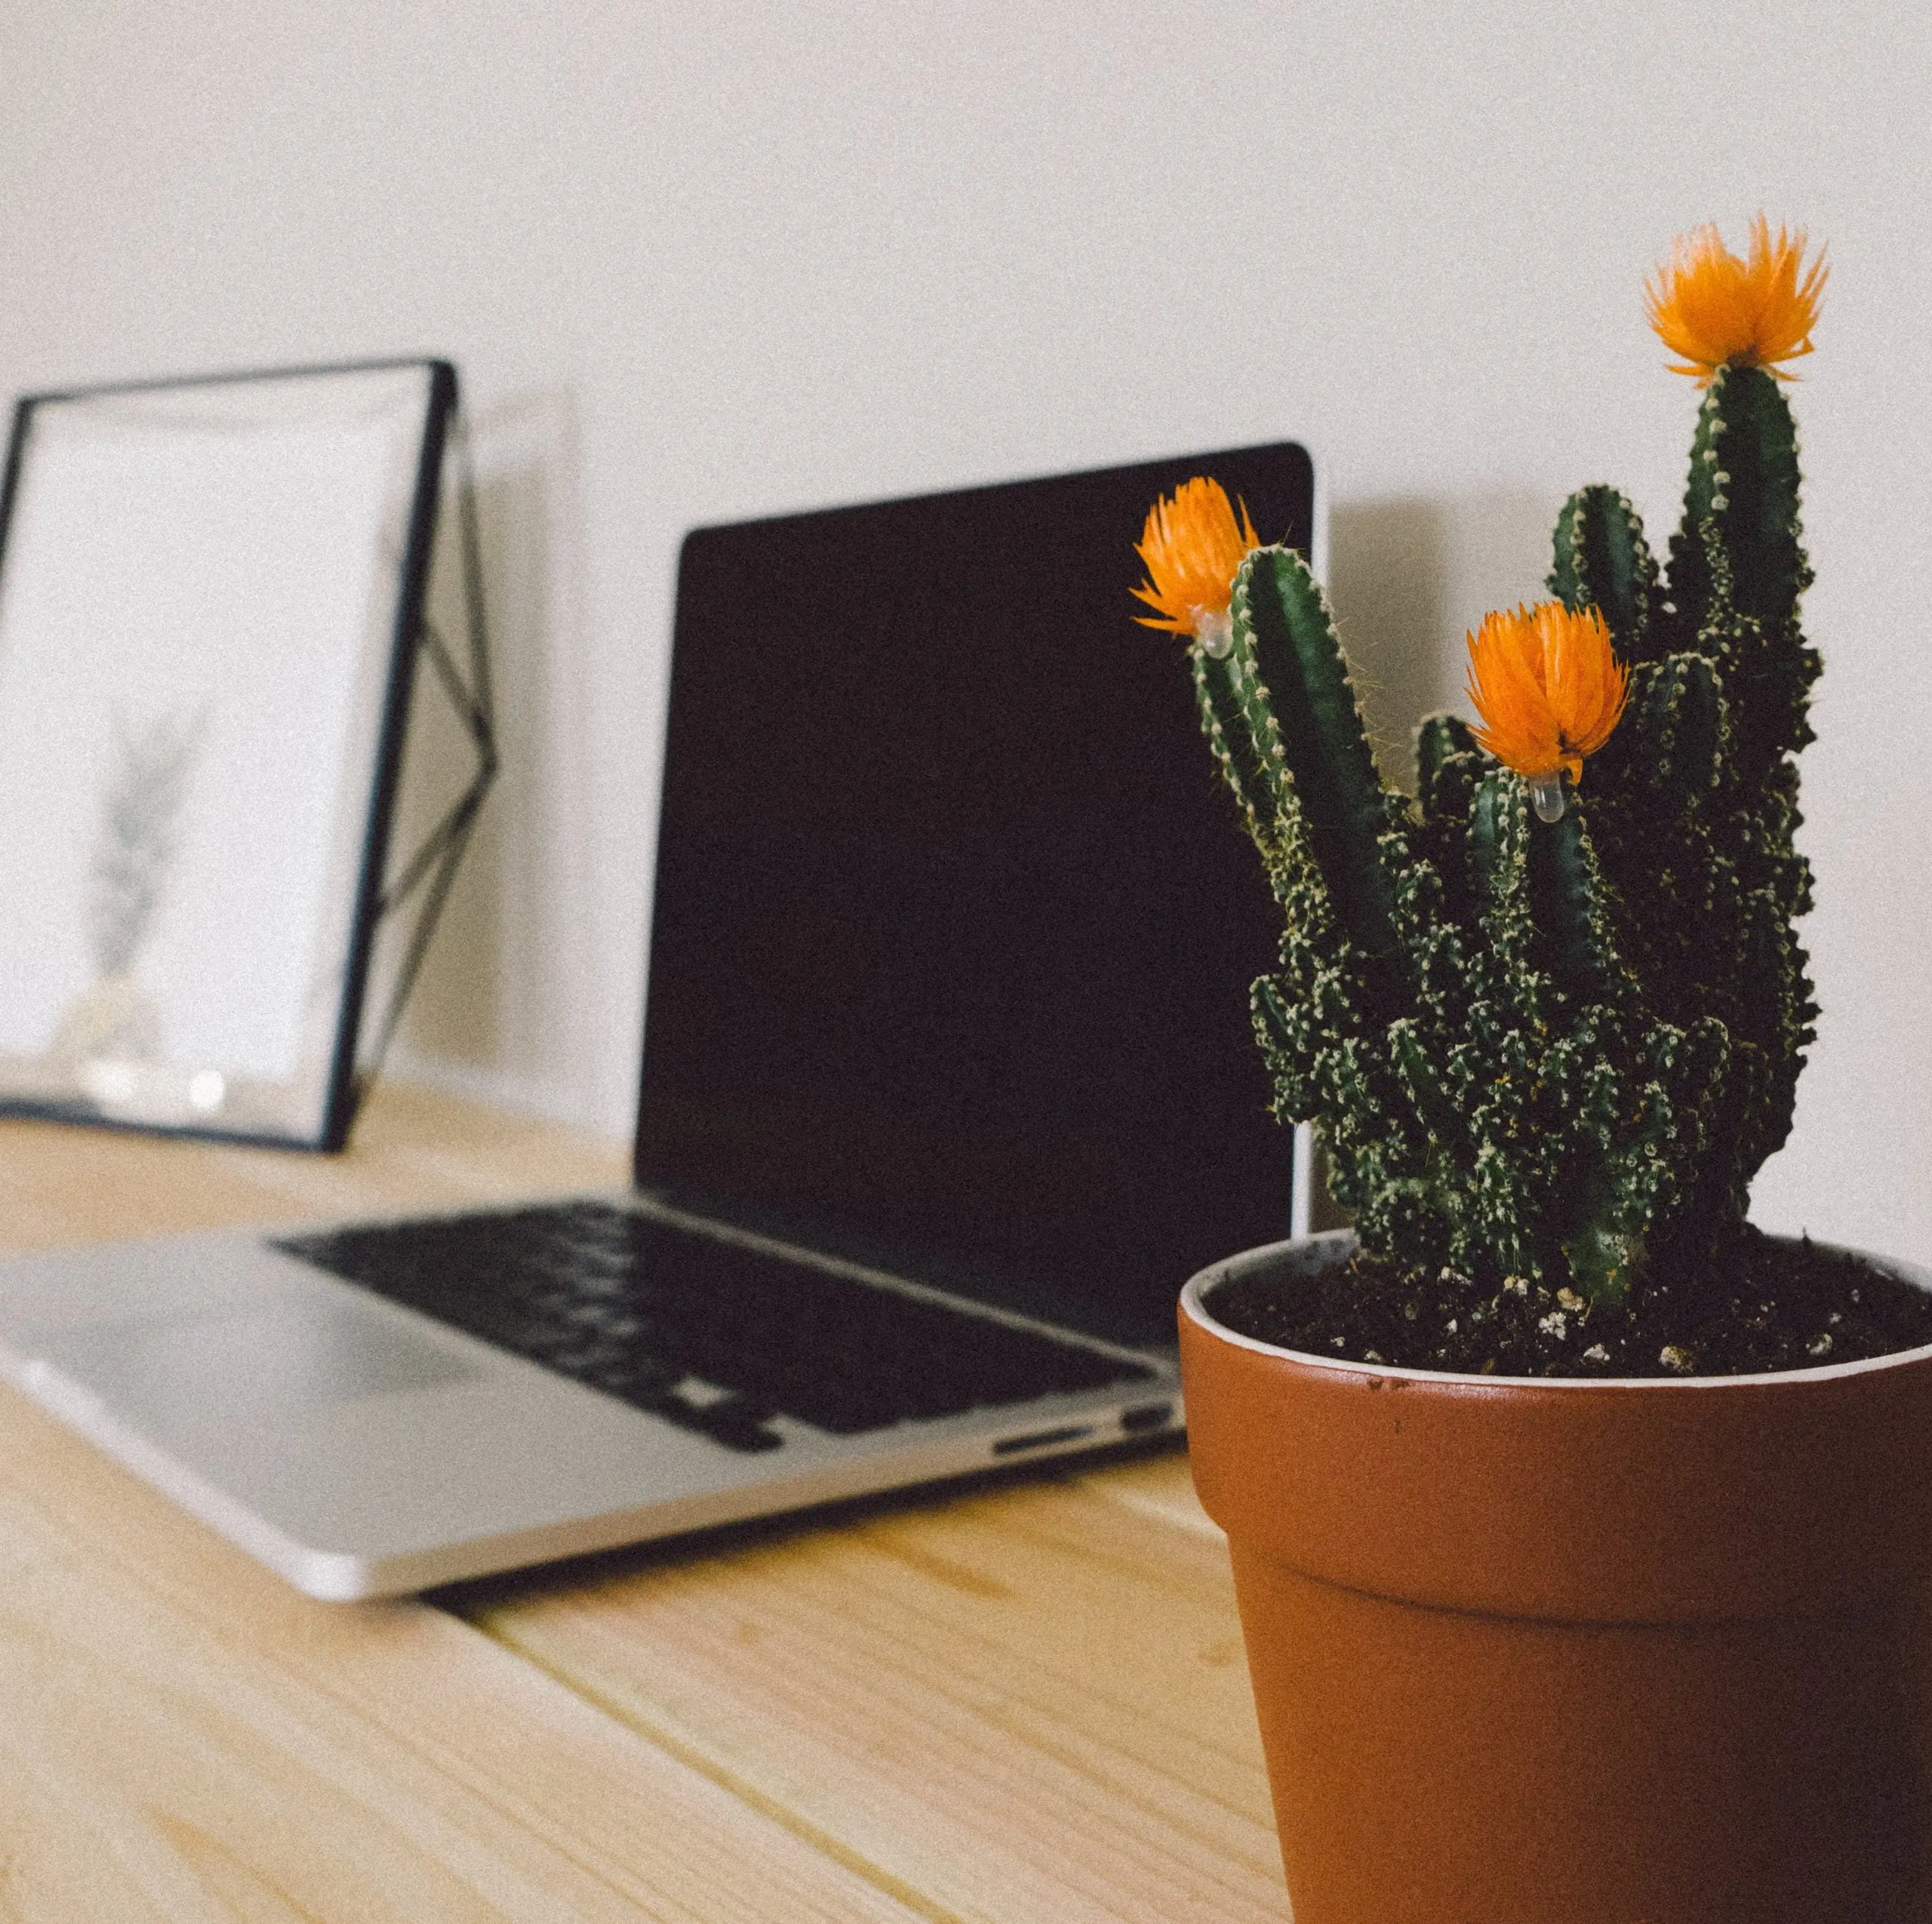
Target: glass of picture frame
211, 603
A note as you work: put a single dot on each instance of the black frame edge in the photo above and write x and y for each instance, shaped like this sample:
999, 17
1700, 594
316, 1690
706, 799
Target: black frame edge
342, 1098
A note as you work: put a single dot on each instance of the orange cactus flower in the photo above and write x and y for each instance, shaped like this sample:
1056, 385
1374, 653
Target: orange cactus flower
1193, 548
1550, 690
1716, 310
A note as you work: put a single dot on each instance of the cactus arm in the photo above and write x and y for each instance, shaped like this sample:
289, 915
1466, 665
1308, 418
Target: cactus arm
1742, 500
1292, 1048
1652, 802
1220, 690
1447, 759
1603, 561
1752, 497
1281, 623
1691, 586
1511, 992
1448, 767
1425, 1088
1566, 896
1540, 1087
1600, 1234
1682, 726
1665, 759
1737, 571
1490, 815
1668, 1163
1438, 738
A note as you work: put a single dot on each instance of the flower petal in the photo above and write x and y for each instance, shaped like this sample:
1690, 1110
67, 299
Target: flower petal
1715, 310
1192, 548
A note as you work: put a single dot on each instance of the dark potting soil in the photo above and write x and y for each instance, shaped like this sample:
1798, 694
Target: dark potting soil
1783, 1305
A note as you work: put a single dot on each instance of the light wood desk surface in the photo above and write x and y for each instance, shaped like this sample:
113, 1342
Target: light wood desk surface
1026, 1703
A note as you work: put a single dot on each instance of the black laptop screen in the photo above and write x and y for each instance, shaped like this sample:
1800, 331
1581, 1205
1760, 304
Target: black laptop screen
954, 922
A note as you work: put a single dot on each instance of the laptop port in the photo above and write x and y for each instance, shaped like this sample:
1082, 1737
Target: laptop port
1041, 1439
1146, 1416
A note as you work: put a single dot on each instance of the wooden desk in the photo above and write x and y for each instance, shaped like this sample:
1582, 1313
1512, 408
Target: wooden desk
1026, 1704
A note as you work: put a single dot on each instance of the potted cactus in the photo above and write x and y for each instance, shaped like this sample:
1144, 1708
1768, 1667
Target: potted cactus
1579, 1529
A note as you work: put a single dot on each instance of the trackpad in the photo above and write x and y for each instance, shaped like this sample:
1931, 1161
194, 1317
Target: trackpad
284, 1357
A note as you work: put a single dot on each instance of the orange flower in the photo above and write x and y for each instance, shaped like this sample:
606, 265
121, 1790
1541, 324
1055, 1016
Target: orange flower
1718, 311
1548, 689
1193, 548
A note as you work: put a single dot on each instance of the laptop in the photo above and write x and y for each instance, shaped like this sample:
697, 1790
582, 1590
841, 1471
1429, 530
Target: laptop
948, 1085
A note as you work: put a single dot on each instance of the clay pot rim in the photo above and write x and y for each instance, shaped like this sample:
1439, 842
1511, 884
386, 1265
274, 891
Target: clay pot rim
1197, 1312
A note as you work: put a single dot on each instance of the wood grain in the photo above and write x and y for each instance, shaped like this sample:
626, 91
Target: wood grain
183, 1737
1025, 1704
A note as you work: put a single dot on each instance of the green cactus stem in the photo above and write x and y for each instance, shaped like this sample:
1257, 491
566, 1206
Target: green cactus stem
1303, 696
1221, 688
1740, 507
1603, 561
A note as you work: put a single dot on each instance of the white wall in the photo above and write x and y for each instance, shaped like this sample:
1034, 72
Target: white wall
709, 259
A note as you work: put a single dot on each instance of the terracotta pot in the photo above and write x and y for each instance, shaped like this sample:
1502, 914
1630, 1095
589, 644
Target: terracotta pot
1531, 1651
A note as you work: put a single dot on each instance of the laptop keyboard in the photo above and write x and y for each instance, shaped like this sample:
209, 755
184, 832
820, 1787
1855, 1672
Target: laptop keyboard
717, 1337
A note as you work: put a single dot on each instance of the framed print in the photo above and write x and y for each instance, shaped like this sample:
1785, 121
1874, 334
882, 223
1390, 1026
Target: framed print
210, 595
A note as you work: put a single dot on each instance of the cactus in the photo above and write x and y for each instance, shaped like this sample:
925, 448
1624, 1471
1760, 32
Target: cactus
1554, 1051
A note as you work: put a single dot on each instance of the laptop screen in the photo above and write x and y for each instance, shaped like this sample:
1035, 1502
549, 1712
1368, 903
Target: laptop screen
955, 922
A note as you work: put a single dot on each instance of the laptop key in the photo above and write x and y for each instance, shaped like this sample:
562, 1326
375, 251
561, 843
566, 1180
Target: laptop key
706, 1333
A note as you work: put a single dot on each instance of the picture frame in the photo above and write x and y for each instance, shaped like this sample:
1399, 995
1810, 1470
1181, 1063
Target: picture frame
212, 597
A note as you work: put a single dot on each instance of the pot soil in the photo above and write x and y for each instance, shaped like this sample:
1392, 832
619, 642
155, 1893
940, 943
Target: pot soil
1776, 1304
1567, 1651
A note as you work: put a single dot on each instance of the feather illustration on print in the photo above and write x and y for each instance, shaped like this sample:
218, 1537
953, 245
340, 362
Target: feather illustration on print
134, 846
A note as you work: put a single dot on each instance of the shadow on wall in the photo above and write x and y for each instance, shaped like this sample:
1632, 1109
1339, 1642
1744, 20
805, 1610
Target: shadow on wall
483, 1013
1407, 578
